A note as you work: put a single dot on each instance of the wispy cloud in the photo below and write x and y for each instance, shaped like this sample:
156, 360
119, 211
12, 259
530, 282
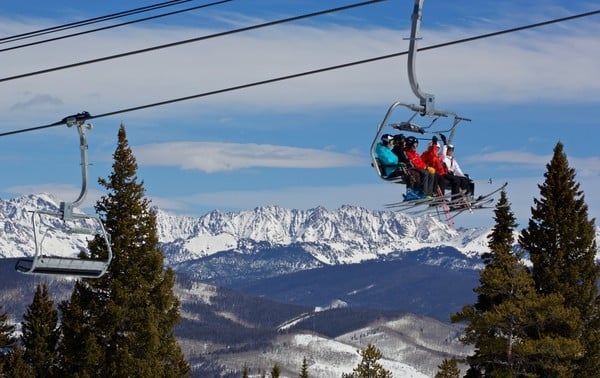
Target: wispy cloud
522, 158
36, 100
521, 67
215, 157
585, 167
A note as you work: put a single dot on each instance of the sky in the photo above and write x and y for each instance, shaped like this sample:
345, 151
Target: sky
303, 142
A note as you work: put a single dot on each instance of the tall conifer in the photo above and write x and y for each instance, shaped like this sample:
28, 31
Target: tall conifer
504, 322
560, 239
40, 333
125, 320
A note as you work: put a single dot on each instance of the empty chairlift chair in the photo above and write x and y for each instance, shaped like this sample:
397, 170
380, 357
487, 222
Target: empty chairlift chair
79, 266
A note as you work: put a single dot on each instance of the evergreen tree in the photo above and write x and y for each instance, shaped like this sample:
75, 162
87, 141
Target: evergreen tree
275, 371
6, 338
16, 366
40, 333
448, 369
561, 242
368, 366
304, 369
505, 323
122, 323
245, 371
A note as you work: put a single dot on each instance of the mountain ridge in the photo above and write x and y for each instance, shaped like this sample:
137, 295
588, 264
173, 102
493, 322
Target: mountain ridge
348, 234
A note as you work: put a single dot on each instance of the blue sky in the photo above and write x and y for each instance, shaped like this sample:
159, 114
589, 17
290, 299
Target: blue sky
304, 142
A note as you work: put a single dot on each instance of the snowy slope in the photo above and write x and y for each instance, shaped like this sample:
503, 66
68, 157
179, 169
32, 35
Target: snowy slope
412, 346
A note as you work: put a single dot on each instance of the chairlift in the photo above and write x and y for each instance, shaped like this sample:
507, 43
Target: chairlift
424, 119
82, 265
426, 111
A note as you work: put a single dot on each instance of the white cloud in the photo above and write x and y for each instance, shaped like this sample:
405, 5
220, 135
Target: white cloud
521, 67
522, 158
584, 167
36, 100
215, 157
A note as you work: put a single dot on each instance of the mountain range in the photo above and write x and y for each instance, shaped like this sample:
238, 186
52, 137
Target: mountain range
275, 284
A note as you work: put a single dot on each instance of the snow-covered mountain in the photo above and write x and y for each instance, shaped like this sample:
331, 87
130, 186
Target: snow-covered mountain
313, 282
16, 228
347, 235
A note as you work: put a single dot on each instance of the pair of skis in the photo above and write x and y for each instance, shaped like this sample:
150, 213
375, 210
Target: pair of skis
451, 205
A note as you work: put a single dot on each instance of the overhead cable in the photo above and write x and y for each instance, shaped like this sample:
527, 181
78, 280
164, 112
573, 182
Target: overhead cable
90, 21
115, 25
306, 73
197, 39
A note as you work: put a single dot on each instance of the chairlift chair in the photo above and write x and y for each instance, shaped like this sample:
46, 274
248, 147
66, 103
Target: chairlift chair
41, 263
425, 110
424, 119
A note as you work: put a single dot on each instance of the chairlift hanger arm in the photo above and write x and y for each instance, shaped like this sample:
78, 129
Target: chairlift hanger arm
427, 100
79, 120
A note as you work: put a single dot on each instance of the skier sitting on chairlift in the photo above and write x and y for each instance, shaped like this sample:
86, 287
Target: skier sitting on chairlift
445, 180
453, 168
389, 161
427, 178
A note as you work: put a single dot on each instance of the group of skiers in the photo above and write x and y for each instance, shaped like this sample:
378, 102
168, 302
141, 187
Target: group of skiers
426, 175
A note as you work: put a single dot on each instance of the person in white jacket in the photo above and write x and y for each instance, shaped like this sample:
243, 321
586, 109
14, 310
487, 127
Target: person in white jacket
447, 157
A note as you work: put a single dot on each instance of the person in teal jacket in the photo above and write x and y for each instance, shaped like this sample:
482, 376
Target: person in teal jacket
388, 159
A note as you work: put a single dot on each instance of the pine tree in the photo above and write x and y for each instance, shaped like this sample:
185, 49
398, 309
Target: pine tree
561, 242
304, 369
6, 337
368, 366
17, 367
40, 333
122, 324
448, 369
505, 322
275, 371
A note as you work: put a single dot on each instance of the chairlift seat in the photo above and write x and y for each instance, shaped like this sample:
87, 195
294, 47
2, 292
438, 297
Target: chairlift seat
64, 266
402, 179
81, 231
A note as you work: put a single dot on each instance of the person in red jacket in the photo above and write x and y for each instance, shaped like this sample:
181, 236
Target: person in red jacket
444, 179
427, 178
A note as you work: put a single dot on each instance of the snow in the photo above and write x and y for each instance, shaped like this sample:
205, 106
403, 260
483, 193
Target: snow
323, 365
207, 244
346, 235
